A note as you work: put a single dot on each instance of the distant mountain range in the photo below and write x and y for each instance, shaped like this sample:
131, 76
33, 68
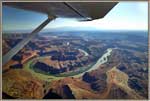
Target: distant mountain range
67, 29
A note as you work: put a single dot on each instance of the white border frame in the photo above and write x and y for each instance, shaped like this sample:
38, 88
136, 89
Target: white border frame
148, 1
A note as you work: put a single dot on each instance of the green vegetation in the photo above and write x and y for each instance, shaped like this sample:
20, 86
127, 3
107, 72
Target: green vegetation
71, 73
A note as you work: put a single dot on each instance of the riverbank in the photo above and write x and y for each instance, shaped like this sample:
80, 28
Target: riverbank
103, 59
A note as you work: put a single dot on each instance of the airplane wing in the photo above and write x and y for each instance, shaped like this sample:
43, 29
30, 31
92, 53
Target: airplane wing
79, 10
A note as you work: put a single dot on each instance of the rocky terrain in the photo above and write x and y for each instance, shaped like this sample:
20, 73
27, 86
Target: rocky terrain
123, 76
5, 47
21, 84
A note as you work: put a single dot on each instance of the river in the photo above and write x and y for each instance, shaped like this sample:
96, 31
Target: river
85, 53
103, 59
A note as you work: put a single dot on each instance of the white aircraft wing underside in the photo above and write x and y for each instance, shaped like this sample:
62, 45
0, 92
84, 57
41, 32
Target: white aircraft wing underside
81, 10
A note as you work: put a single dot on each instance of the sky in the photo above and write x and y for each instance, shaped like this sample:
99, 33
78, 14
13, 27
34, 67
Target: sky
124, 16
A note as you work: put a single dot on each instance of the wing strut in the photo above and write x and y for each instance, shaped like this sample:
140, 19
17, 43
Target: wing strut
20, 45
